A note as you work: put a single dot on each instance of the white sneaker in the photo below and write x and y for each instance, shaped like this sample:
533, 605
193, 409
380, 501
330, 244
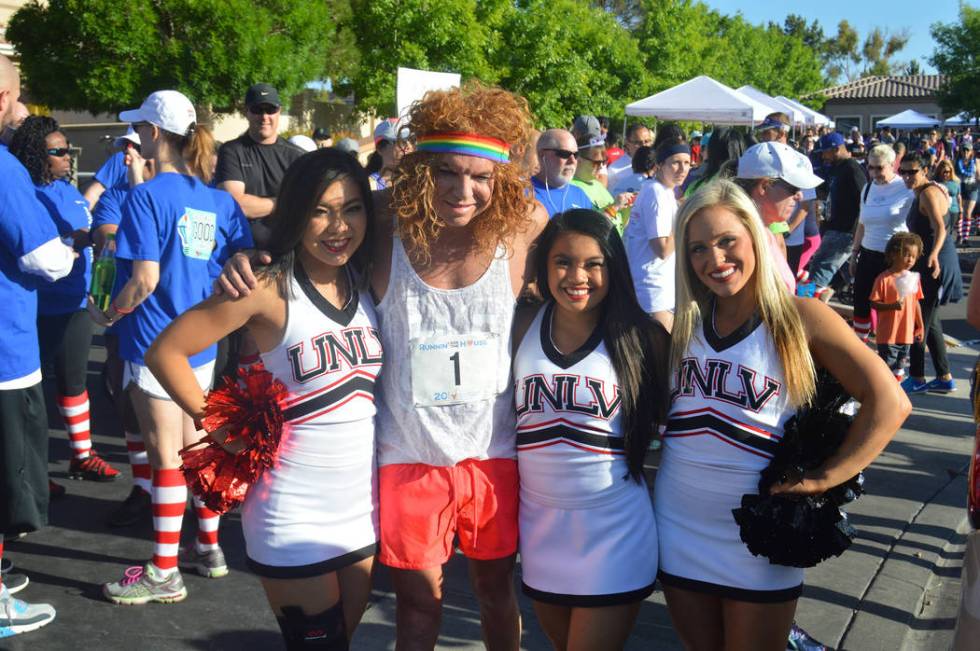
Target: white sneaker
18, 617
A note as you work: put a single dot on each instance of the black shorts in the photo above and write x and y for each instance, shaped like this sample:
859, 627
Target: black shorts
23, 460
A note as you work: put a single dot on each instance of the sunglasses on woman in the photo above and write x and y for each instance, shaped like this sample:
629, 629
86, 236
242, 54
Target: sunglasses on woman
907, 172
59, 152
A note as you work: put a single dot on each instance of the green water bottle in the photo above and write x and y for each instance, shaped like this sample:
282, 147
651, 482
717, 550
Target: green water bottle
104, 274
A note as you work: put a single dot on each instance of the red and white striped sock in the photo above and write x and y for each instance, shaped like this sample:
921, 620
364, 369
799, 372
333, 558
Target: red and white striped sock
169, 497
75, 412
207, 527
138, 461
862, 328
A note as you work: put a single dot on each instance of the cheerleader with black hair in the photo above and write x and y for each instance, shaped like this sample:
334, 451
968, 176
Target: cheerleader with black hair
589, 390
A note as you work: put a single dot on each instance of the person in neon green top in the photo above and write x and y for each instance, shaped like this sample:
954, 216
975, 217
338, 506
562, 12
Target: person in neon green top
591, 159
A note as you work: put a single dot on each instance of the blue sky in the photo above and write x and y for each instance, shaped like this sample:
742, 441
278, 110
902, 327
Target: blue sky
863, 15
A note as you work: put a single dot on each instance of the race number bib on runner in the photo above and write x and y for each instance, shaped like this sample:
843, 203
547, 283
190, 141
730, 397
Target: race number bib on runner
453, 369
196, 230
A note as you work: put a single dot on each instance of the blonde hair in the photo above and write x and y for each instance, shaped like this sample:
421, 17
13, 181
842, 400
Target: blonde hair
775, 305
945, 164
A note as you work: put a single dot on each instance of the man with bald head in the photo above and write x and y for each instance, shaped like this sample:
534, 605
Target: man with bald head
29, 246
557, 159
20, 114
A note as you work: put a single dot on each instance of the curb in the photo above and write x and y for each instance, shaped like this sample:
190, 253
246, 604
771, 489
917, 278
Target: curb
894, 596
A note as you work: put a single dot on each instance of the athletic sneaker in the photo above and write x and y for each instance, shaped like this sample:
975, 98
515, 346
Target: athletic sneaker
941, 386
18, 617
910, 385
142, 585
93, 468
15, 582
210, 563
134, 508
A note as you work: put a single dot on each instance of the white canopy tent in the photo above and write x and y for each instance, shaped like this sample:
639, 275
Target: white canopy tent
796, 116
960, 120
908, 119
701, 99
812, 117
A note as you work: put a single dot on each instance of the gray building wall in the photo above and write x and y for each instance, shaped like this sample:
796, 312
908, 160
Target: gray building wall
865, 114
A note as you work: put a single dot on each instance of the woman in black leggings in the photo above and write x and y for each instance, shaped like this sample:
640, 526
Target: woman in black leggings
940, 274
64, 327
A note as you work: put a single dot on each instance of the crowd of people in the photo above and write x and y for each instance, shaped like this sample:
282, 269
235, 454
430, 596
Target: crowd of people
478, 338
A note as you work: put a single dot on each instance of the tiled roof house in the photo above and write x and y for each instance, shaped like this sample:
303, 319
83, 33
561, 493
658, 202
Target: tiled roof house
864, 101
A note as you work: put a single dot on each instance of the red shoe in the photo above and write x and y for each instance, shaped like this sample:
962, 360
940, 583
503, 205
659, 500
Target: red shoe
92, 467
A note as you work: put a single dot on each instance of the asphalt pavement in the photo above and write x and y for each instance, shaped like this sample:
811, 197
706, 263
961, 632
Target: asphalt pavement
896, 588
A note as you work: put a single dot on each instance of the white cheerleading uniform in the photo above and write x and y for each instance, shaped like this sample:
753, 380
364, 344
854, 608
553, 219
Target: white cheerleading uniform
729, 406
587, 531
316, 511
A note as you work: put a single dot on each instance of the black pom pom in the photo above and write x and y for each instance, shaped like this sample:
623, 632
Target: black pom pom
801, 531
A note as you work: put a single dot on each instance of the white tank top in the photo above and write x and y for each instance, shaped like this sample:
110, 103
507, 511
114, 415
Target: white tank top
569, 422
329, 360
729, 400
446, 388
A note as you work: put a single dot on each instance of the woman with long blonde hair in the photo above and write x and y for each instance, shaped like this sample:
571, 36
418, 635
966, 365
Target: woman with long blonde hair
744, 358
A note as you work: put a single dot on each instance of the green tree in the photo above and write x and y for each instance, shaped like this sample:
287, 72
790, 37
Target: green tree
444, 36
879, 50
567, 57
957, 56
101, 55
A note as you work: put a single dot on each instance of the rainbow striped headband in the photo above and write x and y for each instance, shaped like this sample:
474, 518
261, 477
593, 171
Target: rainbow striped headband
468, 144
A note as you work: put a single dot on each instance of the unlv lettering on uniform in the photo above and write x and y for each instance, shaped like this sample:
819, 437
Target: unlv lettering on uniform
711, 381
353, 347
560, 395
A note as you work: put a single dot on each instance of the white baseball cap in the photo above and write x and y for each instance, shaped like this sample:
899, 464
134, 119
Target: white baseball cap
167, 109
774, 160
129, 136
303, 142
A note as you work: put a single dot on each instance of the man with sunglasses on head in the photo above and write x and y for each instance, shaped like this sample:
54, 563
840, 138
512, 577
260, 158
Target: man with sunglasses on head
251, 166
557, 158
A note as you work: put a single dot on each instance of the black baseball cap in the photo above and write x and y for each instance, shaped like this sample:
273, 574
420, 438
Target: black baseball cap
262, 94
321, 133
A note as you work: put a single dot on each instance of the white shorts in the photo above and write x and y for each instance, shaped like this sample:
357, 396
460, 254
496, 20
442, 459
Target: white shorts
143, 378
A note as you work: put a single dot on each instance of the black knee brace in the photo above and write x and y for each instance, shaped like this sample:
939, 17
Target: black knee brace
325, 631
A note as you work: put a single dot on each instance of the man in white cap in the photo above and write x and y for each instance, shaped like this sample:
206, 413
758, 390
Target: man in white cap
775, 128
774, 175
29, 247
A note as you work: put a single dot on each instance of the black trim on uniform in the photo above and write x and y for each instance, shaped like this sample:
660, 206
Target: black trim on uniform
728, 592
313, 569
572, 434
719, 343
588, 600
559, 358
327, 398
344, 316
683, 424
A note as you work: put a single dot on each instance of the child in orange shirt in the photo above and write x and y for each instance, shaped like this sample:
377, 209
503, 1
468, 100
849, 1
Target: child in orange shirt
896, 296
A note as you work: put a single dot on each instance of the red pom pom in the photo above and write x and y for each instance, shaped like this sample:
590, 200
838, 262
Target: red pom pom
249, 413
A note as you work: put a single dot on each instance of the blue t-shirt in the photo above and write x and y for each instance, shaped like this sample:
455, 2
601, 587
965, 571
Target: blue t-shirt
113, 172
182, 224
69, 212
108, 210
24, 226
556, 200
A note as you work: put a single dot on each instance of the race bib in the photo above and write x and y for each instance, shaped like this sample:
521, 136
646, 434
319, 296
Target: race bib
453, 369
196, 230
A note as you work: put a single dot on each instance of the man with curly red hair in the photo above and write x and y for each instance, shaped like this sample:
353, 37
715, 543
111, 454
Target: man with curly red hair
461, 218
